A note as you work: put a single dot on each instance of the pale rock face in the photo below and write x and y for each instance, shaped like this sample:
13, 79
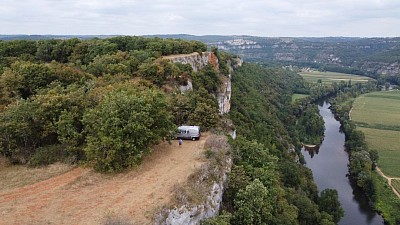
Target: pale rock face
196, 60
192, 215
390, 69
184, 88
224, 96
199, 61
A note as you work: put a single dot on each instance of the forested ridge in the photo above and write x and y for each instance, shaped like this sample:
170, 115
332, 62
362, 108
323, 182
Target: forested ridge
102, 102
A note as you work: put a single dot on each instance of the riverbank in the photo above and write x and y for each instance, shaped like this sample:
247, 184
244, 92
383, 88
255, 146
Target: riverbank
329, 166
377, 190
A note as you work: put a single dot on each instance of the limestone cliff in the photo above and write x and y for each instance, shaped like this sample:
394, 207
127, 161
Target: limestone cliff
209, 184
199, 61
389, 69
196, 60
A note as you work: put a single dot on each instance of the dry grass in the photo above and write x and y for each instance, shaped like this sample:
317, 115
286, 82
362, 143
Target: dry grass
199, 184
116, 220
14, 176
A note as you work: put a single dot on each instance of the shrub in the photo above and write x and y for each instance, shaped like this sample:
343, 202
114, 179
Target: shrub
48, 155
124, 125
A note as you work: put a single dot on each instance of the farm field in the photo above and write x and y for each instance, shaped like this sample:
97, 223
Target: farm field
331, 77
377, 116
396, 185
378, 110
387, 144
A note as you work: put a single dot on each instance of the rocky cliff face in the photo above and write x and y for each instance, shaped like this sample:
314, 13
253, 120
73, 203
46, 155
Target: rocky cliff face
199, 61
192, 215
210, 183
390, 69
196, 60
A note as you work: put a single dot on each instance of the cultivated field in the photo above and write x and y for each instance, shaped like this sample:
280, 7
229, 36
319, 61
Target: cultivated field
378, 110
386, 142
396, 185
331, 77
377, 115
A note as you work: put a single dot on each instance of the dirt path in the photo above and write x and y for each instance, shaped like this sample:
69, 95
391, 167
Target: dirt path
389, 179
81, 196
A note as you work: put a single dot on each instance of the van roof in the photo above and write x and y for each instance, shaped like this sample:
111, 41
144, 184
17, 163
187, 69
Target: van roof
189, 127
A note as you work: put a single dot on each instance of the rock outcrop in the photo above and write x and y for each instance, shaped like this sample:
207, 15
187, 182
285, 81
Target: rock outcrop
210, 183
224, 95
199, 61
196, 60
389, 69
193, 215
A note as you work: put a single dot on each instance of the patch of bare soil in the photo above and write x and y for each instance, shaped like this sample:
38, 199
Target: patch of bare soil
82, 196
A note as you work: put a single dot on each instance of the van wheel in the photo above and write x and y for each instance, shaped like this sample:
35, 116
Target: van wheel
193, 138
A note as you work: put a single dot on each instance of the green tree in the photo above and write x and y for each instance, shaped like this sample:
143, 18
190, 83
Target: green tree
124, 125
254, 205
20, 130
24, 79
206, 78
204, 116
328, 202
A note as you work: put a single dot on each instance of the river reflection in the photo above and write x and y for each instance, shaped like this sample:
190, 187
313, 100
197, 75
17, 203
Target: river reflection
311, 150
329, 165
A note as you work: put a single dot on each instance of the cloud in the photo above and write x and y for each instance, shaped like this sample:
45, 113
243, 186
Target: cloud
256, 17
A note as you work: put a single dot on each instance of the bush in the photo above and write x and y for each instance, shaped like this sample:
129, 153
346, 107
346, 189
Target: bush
124, 125
48, 155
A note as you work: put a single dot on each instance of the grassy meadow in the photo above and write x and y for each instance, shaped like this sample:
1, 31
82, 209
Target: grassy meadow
331, 77
377, 115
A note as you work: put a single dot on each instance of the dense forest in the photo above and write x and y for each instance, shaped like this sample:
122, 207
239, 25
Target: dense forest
102, 102
268, 184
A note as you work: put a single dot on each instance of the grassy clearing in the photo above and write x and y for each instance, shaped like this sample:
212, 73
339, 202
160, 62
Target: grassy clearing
298, 96
386, 201
396, 185
18, 176
331, 77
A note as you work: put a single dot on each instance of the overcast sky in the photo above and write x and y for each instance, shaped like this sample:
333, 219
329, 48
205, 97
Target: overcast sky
366, 18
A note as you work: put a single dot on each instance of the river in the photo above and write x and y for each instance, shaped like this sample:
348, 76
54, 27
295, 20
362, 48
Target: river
329, 166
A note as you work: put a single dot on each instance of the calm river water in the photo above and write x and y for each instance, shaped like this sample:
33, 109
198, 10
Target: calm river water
329, 166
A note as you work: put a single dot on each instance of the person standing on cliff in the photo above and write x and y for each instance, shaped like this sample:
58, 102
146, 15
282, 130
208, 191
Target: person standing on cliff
180, 142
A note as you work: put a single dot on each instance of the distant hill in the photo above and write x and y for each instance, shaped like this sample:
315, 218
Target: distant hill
48, 37
364, 56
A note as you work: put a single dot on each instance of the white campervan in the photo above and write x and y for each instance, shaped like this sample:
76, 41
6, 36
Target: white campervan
188, 132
